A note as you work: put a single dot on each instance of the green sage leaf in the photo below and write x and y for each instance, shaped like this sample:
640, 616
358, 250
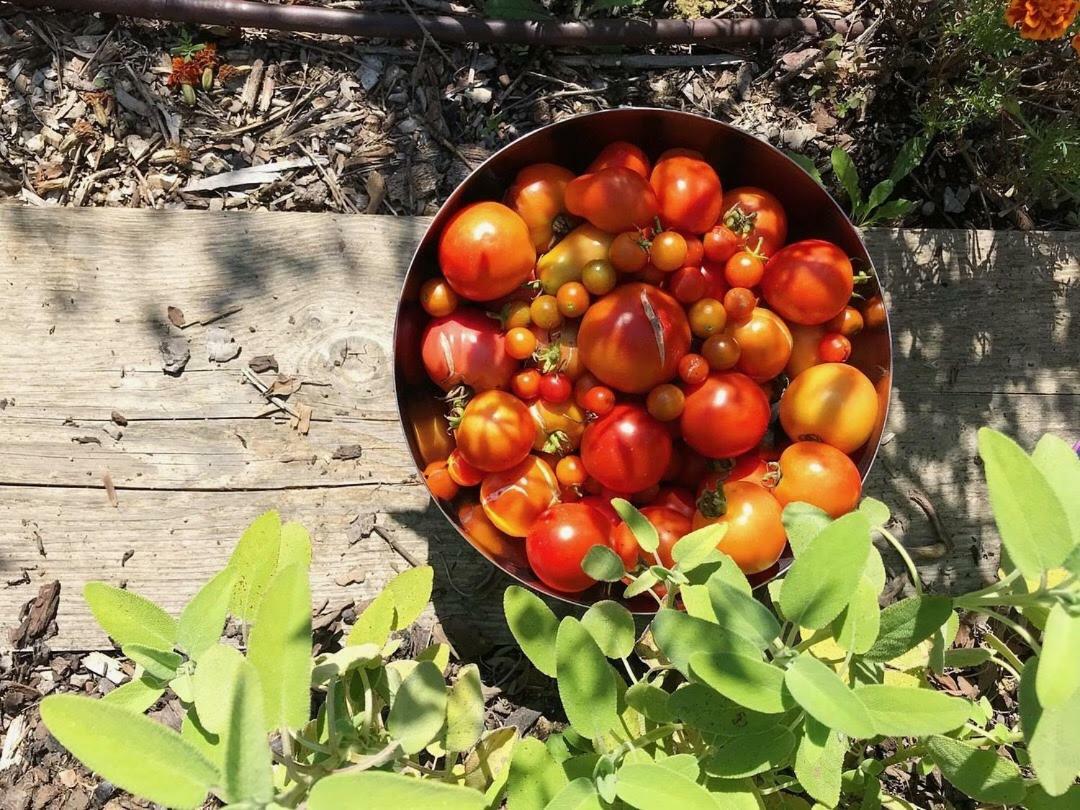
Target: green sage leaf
696, 601
603, 564
295, 548
742, 614
654, 787
579, 794
253, 562
1060, 465
1037, 798
702, 708
612, 628
698, 547
826, 698
160, 664
641, 583
586, 686
129, 618
535, 777
749, 682
369, 789
464, 710
901, 711
533, 626
1051, 734
650, 701
856, 628
823, 579
419, 709
750, 754
488, 764
137, 695
807, 165
978, 772
907, 623
1059, 663
819, 761
965, 657
644, 532
803, 522
727, 571
876, 512
207, 744
375, 622
410, 591
679, 636
203, 617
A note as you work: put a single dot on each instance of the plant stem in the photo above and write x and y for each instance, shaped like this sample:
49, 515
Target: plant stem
904, 753
1002, 648
368, 699
657, 733
996, 587
1015, 627
630, 672
286, 742
1036, 599
898, 547
778, 787
331, 712
818, 635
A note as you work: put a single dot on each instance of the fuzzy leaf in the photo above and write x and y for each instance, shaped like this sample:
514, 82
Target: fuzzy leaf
1038, 799
738, 794
207, 744
381, 789
535, 777
1060, 465
909, 157
653, 787
876, 512
857, 627
825, 697
464, 710
129, 618
612, 628
979, 773
644, 532
203, 617
374, 623
253, 562
419, 708
586, 685
823, 579
743, 615
700, 707
533, 626
698, 547
137, 695
727, 571
898, 711
750, 754
906, 623
603, 564
410, 591
1059, 662
749, 682
848, 175
651, 701
695, 599
489, 763
803, 522
1051, 734
819, 761
641, 583
295, 546
1030, 518
579, 794
131, 751
280, 648
893, 209
679, 636
160, 664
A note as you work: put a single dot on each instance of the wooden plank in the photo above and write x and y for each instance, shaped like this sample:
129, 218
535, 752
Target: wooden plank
985, 329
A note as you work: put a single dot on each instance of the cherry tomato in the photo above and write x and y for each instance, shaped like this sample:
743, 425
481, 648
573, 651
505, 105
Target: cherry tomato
520, 343
558, 542
820, 475
599, 399
496, 431
463, 473
804, 349
613, 200
515, 313
628, 252
668, 251
725, 416
537, 197
695, 250
570, 471
693, 369
688, 192
721, 352
834, 348
440, 483
466, 348
848, 323
544, 311
671, 525
687, 284
744, 269
486, 252
513, 499
483, 533
437, 297
665, 402
832, 402
707, 317
526, 383
582, 385
808, 282
572, 299
755, 536
764, 345
739, 303
626, 450
555, 387
624, 155
677, 498
559, 426
874, 313
633, 338
720, 244
757, 217
599, 277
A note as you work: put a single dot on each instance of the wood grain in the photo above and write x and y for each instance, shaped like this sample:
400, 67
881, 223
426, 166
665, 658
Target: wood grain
986, 332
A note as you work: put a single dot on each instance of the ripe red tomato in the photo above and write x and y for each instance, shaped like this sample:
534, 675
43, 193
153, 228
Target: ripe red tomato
570, 471
627, 450
687, 284
834, 348
757, 217
695, 250
604, 507
689, 193
671, 525
677, 498
764, 345
744, 269
486, 252
513, 499
721, 352
720, 244
466, 348
496, 431
537, 197
633, 338
755, 536
439, 481
463, 473
613, 200
747, 467
739, 303
716, 285
725, 416
620, 154
665, 402
559, 540
820, 475
832, 402
693, 369
599, 399
848, 323
555, 387
628, 252
808, 282
526, 383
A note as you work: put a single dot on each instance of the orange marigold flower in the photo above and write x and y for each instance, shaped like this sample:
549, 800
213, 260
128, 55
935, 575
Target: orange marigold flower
1042, 19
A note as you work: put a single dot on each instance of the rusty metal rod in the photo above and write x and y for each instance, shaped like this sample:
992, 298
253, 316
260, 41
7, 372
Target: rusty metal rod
383, 25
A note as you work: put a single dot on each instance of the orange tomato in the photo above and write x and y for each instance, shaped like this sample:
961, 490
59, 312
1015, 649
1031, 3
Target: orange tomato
688, 192
559, 425
754, 214
513, 499
804, 348
755, 536
764, 345
486, 252
537, 197
622, 155
479, 528
808, 282
832, 402
818, 474
496, 431
437, 298
440, 483
613, 200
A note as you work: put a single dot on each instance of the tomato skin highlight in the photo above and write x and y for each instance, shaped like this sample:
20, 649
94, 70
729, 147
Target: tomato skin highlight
555, 387
627, 450
466, 348
821, 475
618, 344
688, 192
513, 499
831, 402
808, 282
486, 252
496, 431
758, 215
537, 197
559, 540
755, 536
725, 416
613, 200
437, 297
765, 345
624, 155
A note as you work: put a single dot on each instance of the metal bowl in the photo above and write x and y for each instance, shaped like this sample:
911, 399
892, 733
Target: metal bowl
740, 159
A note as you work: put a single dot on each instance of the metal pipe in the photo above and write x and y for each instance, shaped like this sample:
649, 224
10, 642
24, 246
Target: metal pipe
383, 25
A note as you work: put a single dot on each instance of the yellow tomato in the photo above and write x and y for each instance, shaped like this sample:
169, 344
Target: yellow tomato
565, 261
832, 402
513, 499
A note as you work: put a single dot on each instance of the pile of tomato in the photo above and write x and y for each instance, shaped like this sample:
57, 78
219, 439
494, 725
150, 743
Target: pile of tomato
639, 331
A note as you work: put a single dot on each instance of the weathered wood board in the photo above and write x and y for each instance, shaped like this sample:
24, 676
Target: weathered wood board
987, 331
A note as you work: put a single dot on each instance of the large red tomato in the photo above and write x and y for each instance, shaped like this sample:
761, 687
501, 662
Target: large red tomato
834, 403
808, 282
486, 251
633, 338
466, 348
513, 499
626, 450
496, 431
725, 416
614, 200
689, 193
764, 345
756, 215
621, 154
558, 541
671, 526
537, 197
755, 536
821, 475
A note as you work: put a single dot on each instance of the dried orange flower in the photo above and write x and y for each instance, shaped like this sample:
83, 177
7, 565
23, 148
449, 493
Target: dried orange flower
227, 72
1042, 19
205, 58
183, 72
